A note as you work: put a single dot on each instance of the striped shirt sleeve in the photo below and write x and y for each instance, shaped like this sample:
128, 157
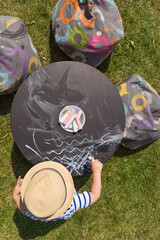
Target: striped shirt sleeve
29, 215
82, 200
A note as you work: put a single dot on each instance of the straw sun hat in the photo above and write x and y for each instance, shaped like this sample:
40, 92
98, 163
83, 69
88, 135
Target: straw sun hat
47, 190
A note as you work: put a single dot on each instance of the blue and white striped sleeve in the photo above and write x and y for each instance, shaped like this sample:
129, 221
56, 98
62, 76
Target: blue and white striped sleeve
33, 218
82, 200
29, 215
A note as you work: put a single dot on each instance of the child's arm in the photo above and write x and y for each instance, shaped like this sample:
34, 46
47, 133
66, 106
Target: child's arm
17, 195
96, 184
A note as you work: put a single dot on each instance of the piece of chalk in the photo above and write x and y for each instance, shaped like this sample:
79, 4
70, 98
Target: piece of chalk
71, 126
69, 116
70, 121
78, 123
64, 117
79, 114
90, 158
75, 129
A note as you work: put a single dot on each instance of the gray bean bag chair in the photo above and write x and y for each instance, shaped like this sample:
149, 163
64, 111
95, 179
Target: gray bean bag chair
87, 31
18, 56
142, 112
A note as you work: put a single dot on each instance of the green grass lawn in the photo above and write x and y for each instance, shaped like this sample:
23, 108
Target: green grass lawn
129, 207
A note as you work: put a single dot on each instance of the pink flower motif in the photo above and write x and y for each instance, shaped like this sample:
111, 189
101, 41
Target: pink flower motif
99, 44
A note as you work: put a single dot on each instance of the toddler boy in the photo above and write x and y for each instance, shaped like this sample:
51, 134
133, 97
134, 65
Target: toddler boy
47, 192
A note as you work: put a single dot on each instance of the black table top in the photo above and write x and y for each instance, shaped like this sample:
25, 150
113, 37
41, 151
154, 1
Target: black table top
40, 99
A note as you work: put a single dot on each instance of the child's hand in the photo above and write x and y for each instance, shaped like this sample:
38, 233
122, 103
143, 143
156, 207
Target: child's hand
96, 184
17, 195
17, 188
96, 165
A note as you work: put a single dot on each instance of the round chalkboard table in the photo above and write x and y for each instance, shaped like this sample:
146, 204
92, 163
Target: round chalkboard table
42, 97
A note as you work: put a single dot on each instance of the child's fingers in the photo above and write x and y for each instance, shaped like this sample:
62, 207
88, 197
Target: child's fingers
99, 163
96, 162
19, 178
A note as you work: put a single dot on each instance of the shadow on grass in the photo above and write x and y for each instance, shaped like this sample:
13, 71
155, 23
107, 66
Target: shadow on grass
30, 229
20, 164
6, 103
105, 64
80, 181
122, 151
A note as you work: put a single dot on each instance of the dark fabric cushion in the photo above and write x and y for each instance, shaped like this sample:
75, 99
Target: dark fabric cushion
18, 56
87, 31
142, 111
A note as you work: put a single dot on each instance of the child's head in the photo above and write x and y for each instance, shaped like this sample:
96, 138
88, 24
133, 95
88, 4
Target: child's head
47, 190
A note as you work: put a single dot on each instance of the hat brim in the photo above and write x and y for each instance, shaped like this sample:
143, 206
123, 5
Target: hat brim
66, 176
